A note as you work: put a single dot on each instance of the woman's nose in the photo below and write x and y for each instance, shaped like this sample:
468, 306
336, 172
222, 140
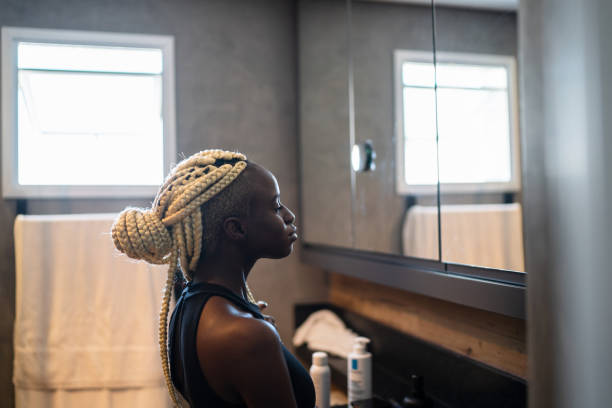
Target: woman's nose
289, 216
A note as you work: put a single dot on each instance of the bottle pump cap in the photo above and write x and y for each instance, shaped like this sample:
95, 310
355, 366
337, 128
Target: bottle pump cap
319, 358
359, 345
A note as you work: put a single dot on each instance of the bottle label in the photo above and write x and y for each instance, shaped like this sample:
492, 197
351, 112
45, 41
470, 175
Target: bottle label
357, 377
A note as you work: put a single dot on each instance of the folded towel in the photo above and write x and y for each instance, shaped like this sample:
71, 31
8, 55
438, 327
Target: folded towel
323, 330
86, 316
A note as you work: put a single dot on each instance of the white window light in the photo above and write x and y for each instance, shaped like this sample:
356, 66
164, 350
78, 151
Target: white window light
86, 114
476, 123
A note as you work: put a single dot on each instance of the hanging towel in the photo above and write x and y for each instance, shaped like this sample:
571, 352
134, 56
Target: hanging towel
86, 316
489, 235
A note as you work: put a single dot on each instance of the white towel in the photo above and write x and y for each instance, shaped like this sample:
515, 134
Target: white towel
488, 235
86, 316
323, 330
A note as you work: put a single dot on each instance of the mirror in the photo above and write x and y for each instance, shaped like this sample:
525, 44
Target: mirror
407, 151
478, 134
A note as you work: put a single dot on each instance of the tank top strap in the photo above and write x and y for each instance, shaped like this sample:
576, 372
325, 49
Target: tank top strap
205, 288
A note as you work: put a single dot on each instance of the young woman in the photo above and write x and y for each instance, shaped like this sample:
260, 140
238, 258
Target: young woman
213, 218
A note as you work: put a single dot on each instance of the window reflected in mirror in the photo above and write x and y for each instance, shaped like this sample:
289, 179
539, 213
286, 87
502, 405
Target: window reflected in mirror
475, 115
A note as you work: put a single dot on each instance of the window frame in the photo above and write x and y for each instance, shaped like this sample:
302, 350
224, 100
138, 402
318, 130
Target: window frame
11, 36
402, 188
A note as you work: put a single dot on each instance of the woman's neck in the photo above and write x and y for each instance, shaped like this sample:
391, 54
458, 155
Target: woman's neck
228, 270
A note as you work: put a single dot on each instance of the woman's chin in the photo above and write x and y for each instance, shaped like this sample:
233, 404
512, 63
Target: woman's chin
285, 252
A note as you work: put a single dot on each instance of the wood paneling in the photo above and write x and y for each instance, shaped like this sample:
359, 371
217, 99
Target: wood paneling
493, 339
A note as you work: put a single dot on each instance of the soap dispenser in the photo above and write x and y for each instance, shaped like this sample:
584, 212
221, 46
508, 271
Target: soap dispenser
359, 371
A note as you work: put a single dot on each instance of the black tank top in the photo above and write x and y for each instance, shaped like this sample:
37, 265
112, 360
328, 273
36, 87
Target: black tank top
185, 370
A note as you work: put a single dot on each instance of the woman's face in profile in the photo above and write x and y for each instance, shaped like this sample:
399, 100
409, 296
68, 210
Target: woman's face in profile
270, 229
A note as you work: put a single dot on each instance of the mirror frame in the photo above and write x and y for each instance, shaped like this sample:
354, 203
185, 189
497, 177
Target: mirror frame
494, 290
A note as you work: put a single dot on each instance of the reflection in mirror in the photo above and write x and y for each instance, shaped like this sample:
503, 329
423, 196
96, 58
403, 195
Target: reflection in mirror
394, 105
324, 123
478, 140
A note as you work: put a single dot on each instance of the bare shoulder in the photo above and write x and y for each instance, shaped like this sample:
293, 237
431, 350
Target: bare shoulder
228, 336
236, 347
221, 321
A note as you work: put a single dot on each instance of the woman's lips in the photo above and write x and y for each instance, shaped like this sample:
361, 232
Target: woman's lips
293, 234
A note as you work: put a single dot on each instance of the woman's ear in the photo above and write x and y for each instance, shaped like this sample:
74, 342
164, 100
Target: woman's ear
234, 228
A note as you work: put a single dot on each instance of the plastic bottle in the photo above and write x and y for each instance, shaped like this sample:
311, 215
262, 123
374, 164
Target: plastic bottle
321, 378
359, 371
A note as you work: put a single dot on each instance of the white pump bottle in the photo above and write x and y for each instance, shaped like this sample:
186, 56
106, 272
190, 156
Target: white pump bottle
359, 371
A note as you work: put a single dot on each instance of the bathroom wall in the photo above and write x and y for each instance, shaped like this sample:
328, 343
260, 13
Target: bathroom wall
235, 88
496, 340
568, 189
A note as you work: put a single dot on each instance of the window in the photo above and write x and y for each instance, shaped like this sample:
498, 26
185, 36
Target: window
86, 114
476, 118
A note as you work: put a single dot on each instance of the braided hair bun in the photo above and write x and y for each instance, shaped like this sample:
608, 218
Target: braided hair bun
140, 234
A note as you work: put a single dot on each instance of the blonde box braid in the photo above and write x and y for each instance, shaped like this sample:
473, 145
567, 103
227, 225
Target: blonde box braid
171, 231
